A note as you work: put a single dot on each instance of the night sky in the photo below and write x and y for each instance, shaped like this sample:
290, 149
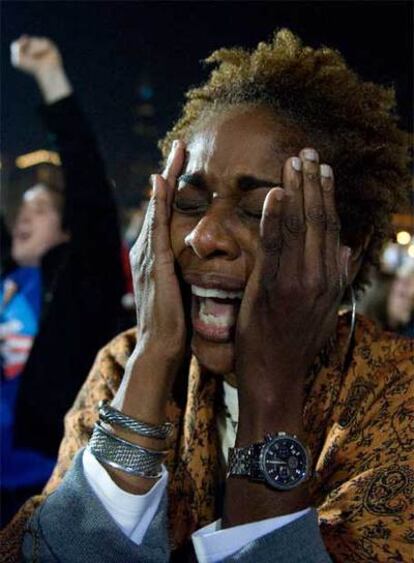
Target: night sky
108, 47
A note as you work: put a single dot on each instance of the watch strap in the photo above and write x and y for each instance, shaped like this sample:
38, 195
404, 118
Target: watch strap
245, 461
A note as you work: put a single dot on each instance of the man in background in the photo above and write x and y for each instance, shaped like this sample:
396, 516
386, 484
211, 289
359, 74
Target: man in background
61, 301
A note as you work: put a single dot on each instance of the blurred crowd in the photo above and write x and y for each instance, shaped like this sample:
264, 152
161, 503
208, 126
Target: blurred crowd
389, 300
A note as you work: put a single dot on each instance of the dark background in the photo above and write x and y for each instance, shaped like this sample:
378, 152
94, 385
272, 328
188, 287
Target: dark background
113, 49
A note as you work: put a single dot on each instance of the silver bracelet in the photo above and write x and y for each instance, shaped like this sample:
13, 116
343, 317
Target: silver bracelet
126, 456
110, 415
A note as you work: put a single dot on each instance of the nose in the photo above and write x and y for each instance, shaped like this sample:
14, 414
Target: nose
23, 217
210, 238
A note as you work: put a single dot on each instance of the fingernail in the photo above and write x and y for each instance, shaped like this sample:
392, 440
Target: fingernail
175, 144
310, 154
154, 183
279, 194
296, 164
326, 171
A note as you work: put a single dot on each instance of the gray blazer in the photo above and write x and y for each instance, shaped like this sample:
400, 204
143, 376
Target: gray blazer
72, 526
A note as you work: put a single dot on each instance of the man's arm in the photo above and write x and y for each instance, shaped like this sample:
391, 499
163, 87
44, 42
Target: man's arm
90, 210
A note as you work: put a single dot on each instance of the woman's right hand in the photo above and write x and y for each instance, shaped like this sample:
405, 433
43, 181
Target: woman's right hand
160, 315
152, 368
161, 330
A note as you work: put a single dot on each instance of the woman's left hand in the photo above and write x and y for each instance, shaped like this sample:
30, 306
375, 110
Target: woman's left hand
290, 304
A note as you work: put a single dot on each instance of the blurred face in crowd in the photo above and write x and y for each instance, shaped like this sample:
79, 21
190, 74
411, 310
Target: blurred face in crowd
234, 160
401, 300
37, 228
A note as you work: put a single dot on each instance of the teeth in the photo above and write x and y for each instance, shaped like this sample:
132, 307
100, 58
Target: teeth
211, 292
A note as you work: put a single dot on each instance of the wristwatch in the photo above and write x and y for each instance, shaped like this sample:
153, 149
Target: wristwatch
281, 461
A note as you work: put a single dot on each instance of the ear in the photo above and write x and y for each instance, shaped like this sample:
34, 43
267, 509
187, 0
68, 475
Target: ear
357, 256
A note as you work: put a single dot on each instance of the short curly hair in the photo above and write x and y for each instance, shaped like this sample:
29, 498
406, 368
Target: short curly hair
353, 124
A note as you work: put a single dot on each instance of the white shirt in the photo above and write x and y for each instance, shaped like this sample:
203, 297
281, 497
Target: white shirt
134, 513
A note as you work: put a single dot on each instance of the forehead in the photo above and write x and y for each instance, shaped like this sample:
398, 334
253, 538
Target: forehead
241, 141
37, 195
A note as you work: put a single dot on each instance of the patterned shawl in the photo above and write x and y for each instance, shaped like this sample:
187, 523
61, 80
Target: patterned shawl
361, 438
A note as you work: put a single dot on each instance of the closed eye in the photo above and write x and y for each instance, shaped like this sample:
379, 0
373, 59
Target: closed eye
257, 214
190, 206
251, 203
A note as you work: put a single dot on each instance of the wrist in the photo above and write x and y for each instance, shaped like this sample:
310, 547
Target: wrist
130, 483
249, 432
248, 501
143, 441
146, 386
273, 476
127, 471
53, 83
130, 455
270, 414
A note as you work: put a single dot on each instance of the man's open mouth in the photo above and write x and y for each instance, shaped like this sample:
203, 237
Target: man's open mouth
214, 312
22, 236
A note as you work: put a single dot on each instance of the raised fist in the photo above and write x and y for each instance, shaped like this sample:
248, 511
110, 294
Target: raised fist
35, 55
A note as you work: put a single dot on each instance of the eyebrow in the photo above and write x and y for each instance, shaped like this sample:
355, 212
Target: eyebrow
245, 182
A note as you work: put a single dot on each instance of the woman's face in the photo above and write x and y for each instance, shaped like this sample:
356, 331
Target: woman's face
400, 306
234, 160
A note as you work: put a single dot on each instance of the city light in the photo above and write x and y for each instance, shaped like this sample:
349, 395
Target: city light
37, 157
403, 237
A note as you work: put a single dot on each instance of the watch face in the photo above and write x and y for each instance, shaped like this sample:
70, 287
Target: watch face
284, 462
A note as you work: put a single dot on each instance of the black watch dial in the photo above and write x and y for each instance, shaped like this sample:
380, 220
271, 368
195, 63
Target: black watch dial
284, 462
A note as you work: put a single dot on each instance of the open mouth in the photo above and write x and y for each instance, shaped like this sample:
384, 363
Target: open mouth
22, 236
214, 312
